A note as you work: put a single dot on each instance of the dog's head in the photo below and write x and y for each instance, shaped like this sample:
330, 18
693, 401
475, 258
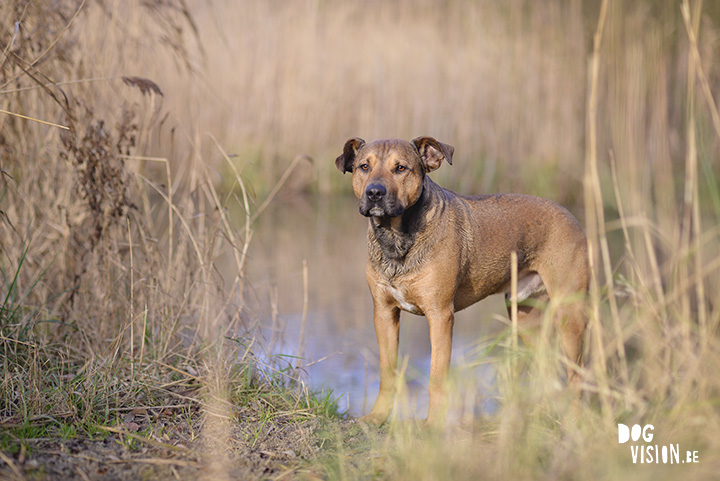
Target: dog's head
388, 174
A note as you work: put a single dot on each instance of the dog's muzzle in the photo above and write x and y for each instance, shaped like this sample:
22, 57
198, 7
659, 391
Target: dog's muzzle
376, 203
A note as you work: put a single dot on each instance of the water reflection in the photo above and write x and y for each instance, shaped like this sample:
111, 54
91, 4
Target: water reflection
340, 346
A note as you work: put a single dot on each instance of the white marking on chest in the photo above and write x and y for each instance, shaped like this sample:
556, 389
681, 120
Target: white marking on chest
400, 298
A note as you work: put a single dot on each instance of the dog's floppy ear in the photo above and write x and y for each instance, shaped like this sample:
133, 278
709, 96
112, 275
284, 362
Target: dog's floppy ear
345, 162
433, 152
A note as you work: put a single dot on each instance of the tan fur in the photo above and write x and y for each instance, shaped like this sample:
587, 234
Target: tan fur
433, 252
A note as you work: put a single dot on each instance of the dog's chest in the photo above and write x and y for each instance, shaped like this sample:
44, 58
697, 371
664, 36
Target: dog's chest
400, 298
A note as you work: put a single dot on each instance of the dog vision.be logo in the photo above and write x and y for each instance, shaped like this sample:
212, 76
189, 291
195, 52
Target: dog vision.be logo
646, 453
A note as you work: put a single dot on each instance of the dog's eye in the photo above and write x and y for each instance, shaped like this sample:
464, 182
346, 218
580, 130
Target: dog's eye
400, 168
364, 167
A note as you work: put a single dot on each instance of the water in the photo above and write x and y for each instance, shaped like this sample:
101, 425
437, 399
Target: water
340, 348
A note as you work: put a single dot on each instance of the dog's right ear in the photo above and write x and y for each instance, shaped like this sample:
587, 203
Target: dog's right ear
345, 162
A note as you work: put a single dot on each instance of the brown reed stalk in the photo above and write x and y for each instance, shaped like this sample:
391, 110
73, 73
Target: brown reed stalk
696, 73
303, 320
592, 199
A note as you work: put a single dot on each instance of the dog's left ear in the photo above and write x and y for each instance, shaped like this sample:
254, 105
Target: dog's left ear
433, 152
345, 162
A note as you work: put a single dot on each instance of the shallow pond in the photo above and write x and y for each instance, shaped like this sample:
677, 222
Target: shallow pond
340, 349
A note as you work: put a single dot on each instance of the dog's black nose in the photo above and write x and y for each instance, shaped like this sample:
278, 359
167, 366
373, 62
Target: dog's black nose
375, 192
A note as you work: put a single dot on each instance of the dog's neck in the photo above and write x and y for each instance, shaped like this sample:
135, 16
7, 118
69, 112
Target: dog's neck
391, 239
392, 236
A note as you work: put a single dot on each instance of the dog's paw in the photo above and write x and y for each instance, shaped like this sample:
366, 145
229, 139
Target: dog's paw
374, 418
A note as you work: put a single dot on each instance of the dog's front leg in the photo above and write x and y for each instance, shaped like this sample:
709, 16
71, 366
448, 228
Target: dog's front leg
387, 330
441, 330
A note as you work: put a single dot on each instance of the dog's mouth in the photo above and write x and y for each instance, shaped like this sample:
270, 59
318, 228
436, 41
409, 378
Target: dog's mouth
369, 208
376, 212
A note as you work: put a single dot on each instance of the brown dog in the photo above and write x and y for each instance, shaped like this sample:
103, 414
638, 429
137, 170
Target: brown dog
434, 252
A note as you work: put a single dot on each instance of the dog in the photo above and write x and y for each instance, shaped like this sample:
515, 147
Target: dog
433, 252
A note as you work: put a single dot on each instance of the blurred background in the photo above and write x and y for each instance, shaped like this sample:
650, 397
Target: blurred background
504, 82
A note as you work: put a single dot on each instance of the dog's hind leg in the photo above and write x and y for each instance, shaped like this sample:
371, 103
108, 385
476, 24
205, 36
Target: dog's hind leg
567, 285
570, 323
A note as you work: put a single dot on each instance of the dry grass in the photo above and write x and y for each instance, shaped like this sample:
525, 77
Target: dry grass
115, 320
114, 216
